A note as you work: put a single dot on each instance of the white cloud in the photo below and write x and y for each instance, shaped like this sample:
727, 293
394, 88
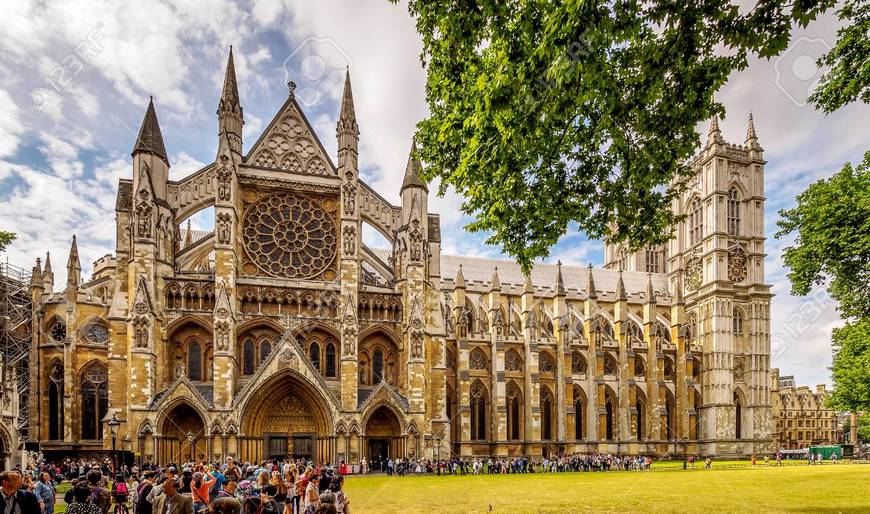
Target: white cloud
10, 125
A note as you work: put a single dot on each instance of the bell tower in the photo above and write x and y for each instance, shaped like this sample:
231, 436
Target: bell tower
717, 258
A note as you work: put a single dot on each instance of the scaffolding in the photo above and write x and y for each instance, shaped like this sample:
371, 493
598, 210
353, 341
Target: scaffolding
16, 312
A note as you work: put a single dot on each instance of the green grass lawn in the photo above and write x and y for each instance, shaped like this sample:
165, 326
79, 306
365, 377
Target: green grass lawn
827, 488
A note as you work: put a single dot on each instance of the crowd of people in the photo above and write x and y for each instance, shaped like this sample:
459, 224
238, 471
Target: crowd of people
283, 487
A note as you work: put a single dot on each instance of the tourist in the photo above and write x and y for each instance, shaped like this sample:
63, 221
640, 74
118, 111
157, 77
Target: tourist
312, 495
708, 463
15, 500
268, 504
81, 495
280, 490
99, 494
341, 500
171, 501
143, 505
44, 491
200, 490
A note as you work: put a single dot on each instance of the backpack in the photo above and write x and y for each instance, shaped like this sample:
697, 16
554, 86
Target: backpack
121, 489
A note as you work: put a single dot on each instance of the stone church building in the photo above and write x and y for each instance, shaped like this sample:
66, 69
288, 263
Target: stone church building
281, 333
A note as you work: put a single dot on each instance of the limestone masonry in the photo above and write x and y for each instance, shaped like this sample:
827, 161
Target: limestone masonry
281, 333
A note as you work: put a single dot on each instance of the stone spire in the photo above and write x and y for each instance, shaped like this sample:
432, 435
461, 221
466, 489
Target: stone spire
527, 285
36, 275
229, 111
347, 129
714, 135
150, 140
47, 274
73, 265
347, 115
650, 292
560, 283
495, 284
678, 294
620, 288
412, 170
751, 137
459, 281
590, 285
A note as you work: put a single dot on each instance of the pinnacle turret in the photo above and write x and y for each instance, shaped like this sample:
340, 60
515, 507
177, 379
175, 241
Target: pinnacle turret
150, 139
230, 115
528, 288
36, 275
714, 135
590, 285
650, 292
459, 281
751, 137
560, 283
495, 283
412, 170
620, 288
47, 274
73, 265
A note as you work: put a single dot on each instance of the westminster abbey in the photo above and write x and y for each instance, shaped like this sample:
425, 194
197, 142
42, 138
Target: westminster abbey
280, 333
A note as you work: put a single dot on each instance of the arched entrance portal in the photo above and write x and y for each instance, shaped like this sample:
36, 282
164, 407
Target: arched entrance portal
286, 417
182, 436
383, 437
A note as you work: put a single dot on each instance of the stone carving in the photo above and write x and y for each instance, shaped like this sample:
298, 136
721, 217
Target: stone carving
222, 335
739, 369
143, 216
290, 236
546, 364
140, 332
224, 228
224, 179
287, 357
56, 373
58, 332
96, 374
416, 237
348, 341
737, 264
349, 240
416, 345
349, 191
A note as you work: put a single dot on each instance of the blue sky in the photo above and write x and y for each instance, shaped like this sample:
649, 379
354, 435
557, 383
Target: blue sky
75, 78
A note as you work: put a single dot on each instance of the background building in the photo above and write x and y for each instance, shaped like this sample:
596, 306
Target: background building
281, 333
800, 414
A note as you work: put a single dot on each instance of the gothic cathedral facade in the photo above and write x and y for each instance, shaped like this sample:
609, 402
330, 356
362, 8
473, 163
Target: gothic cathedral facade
280, 333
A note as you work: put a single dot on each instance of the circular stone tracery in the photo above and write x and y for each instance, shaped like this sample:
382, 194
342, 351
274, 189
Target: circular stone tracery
289, 236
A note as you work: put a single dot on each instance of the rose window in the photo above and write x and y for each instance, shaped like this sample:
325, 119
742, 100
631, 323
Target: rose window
289, 236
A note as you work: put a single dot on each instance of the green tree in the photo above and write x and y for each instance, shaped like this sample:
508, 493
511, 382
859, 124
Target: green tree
832, 223
849, 76
851, 369
546, 114
6, 239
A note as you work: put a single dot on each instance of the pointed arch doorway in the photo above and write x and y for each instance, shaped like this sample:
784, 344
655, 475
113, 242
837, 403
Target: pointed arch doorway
384, 440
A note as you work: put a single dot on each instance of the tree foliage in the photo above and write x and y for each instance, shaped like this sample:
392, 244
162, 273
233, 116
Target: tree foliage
6, 239
832, 223
545, 114
849, 76
851, 369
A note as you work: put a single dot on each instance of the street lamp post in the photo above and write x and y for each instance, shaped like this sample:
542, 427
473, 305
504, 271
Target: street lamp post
438, 453
114, 424
190, 438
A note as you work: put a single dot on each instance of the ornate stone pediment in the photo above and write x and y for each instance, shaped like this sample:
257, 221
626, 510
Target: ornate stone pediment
290, 144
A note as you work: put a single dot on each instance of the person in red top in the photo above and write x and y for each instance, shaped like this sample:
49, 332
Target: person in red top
342, 468
199, 490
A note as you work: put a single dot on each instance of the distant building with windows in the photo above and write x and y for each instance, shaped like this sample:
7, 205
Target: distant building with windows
801, 418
